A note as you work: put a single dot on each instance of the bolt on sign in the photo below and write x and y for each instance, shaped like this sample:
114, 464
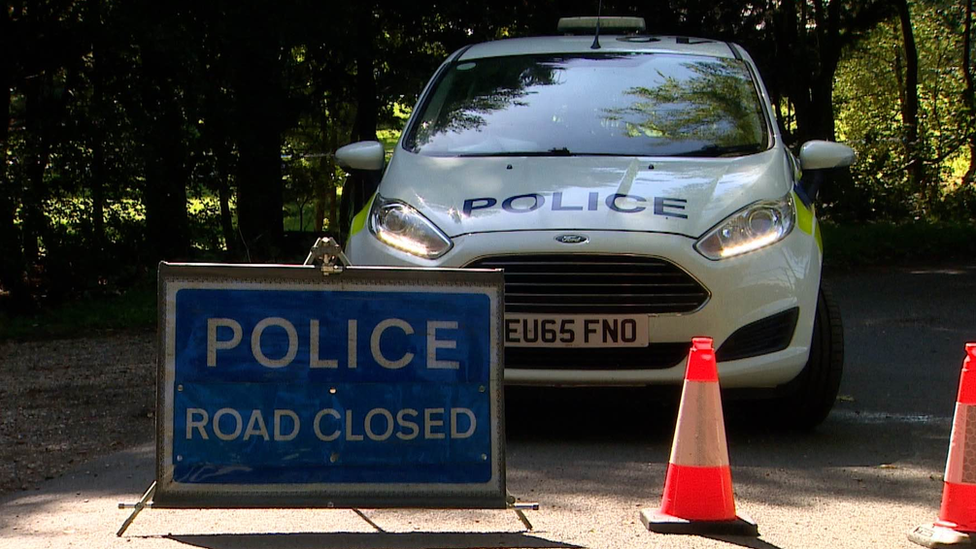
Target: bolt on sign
279, 386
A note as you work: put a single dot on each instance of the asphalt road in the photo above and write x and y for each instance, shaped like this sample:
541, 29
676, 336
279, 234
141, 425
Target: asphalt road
593, 459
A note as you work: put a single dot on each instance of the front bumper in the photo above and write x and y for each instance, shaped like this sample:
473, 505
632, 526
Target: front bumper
744, 289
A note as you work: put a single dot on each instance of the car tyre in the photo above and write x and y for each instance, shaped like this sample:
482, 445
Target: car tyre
808, 405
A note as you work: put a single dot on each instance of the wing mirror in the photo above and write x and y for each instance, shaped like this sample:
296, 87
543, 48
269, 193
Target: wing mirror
820, 155
363, 161
364, 156
817, 158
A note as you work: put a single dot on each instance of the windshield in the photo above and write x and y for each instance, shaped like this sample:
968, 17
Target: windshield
593, 104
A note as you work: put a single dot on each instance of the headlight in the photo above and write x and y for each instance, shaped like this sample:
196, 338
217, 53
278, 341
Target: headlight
753, 227
402, 227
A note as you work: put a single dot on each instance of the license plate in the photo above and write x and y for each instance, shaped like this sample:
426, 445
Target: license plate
575, 331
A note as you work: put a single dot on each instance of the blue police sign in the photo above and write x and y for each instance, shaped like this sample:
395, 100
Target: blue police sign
281, 386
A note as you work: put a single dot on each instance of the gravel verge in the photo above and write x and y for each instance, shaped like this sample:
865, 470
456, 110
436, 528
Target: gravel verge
64, 402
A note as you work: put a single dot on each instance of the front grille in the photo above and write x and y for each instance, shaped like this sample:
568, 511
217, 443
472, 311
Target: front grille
761, 337
653, 357
605, 284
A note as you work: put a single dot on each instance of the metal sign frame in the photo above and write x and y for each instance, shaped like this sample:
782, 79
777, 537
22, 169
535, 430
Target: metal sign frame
171, 494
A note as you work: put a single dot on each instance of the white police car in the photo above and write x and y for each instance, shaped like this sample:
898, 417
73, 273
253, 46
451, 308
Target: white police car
637, 193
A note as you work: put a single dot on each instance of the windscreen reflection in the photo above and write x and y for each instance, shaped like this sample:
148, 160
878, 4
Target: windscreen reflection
605, 104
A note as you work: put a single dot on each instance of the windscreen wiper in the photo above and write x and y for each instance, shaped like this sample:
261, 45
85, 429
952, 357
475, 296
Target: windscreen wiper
551, 152
557, 151
722, 150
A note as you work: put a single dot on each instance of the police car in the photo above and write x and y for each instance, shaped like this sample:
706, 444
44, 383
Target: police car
636, 191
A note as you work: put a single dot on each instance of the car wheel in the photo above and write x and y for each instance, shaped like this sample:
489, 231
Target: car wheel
815, 389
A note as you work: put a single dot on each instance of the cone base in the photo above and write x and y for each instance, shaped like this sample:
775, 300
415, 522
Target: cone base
935, 536
957, 511
656, 521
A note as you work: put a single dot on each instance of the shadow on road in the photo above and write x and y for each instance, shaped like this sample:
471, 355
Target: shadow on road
620, 414
741, 541
341, 540
614, 443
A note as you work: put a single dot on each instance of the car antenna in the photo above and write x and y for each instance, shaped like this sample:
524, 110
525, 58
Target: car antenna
596, 38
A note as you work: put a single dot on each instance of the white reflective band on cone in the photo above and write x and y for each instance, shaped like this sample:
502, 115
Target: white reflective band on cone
702, 428
961, 465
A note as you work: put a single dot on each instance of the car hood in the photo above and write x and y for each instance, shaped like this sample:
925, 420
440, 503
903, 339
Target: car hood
685, 196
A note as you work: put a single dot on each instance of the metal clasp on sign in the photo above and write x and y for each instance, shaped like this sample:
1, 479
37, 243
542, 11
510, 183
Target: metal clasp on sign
327, 253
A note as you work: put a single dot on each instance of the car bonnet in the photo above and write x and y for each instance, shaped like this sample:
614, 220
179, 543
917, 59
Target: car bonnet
684, 196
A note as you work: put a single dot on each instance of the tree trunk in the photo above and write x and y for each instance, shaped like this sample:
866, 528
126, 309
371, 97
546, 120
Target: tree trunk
820, 118
364, 127
788, 55
223, 192
99, 173
99, 169
12, 273
260, 104
321, 184
969, 94
808, 43
167, 222
810, 63
909, 107
333, 183
320, 193
35, 162
333, 198
260, 205
326, 192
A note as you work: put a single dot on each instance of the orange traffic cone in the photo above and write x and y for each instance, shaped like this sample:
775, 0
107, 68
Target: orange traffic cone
957, 516
698, 489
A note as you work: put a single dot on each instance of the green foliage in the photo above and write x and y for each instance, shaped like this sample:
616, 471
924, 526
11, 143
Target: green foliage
141, 130
700, 108
868, 95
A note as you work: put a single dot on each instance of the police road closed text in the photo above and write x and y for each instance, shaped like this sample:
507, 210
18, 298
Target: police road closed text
314, 333
329, 424
277, 387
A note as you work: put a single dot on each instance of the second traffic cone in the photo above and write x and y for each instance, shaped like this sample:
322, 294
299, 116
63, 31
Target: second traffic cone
957, 516
698, 488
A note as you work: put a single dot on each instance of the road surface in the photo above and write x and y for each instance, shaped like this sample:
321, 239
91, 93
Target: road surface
593, 459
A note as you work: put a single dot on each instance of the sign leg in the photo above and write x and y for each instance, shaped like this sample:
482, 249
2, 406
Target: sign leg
369, 521
523, 518
518, 507
136, 509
